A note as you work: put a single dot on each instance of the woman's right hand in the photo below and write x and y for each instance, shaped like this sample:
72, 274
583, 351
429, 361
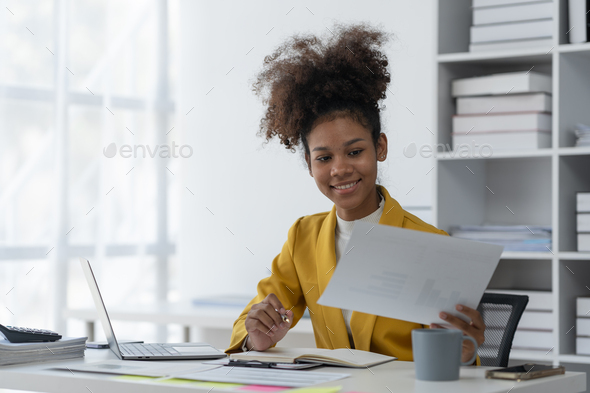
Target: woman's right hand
264, 325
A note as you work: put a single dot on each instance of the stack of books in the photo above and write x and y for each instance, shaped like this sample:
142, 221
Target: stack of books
19, 353
583, 326
582, 132
502, 111
511, 24
579, 21
583, 220
532, 238
535, 329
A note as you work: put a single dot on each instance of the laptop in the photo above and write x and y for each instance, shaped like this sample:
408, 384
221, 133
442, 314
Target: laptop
182, 351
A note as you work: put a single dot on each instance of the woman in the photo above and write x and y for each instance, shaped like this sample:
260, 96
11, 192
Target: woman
323, 98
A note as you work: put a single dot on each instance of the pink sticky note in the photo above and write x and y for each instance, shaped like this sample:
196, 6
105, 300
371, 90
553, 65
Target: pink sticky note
263, 388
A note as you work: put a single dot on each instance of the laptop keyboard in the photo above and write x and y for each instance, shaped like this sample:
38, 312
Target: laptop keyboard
147, 350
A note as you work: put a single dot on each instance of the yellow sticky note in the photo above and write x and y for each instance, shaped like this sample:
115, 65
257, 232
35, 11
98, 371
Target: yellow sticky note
176, 381
330, 389
218, 385
135, 378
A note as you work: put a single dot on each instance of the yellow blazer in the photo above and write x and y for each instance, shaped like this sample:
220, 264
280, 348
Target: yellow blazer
301, 272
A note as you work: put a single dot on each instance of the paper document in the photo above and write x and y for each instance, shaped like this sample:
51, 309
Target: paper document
146, 369
265, 376
409, 275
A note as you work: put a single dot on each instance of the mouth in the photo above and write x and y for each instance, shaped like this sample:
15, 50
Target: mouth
346, 188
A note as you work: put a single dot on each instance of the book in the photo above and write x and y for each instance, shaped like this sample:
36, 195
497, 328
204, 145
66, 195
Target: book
582, 132
579, 21
583, 222
19, 353
538, 300
528, 102
583, 307
583, 327
583, 345
513, 13
584, 242
502, 84
523, 121
583, 202
532, 339
512, 31
334, 357
495, 3
504, 140
540, 320
511, 45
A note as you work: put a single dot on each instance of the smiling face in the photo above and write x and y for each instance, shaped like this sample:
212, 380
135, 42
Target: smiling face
343, 161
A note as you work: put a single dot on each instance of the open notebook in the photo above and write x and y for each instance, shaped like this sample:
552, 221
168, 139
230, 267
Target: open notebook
334, 357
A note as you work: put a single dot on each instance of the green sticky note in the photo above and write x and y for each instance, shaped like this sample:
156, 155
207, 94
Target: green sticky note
330, 389
135, 378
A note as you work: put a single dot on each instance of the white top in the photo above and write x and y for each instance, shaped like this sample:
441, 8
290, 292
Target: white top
341, 237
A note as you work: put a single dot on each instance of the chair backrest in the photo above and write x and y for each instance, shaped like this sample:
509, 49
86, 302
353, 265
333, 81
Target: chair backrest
501, 314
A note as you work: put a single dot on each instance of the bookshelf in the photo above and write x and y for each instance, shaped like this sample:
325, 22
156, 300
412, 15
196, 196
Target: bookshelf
517, 186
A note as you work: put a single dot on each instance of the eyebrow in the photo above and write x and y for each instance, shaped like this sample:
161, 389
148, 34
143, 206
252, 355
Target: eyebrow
350, 142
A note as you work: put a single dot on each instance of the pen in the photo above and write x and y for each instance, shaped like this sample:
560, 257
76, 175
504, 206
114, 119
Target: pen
283, 317
250, 363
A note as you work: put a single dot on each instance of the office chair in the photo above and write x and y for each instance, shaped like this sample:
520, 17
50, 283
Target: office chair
501, 314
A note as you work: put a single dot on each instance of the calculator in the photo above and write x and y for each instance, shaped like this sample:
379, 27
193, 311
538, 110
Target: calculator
25, 335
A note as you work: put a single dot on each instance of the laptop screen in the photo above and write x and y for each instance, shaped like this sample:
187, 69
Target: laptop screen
100, 307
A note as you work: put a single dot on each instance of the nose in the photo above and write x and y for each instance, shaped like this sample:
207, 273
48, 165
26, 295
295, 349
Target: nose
341, 168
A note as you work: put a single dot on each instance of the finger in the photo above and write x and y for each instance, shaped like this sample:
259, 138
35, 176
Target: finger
289, 314
470, 330
458, 323
473, 314
273, 314
267, 317
274, 301
269, 324
258, 325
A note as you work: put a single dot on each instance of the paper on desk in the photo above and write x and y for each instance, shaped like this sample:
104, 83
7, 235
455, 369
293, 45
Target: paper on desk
409, 275
265, 376
141, 368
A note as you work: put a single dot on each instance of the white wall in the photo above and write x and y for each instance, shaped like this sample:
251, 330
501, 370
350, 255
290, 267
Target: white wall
257, 191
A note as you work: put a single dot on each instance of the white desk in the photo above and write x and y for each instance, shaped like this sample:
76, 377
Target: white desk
396, 376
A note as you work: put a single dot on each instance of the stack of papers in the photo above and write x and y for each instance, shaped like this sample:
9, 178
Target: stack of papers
211, 373
531, 238
583, 135
18, 353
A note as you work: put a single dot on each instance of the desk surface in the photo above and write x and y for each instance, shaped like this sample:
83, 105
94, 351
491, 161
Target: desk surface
394, 377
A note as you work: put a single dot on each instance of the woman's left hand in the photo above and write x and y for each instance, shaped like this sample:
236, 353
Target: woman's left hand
474, 329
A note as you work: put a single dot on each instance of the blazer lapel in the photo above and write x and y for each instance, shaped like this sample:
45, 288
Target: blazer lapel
326, 263
362, 324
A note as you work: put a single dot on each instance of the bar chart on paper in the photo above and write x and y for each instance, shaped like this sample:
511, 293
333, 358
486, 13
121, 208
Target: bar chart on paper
431, 297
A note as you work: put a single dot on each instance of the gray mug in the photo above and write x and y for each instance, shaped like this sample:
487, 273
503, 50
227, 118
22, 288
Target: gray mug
437, 353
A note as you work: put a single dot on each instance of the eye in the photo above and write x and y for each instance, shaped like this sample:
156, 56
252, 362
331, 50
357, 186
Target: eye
355, 152
323, 158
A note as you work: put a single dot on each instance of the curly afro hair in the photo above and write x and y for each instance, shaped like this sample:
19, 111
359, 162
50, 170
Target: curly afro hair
306, 82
